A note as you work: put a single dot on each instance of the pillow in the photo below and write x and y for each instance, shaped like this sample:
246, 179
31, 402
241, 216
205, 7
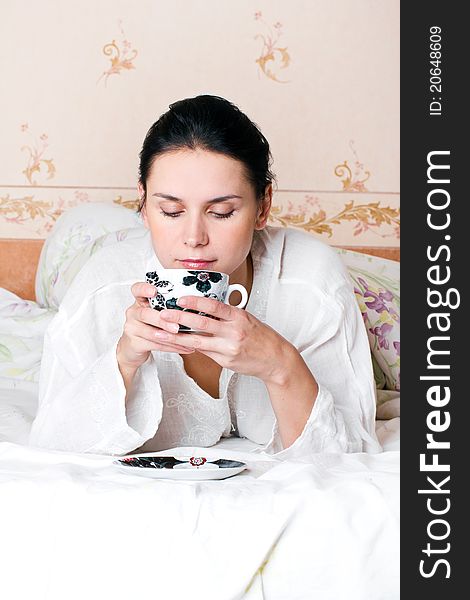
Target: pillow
377, 288
22, 327
76, 234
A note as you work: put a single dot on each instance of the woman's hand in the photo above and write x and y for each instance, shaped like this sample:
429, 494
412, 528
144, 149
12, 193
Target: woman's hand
142, 324
235, 339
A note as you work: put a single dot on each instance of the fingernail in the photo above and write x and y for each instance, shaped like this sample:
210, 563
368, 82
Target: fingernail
182, 302
174, 327
162, 335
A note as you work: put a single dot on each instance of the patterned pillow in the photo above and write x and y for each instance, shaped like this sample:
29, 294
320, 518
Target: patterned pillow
377, 288
78, 233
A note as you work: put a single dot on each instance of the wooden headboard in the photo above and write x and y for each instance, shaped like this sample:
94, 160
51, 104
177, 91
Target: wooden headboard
19, 260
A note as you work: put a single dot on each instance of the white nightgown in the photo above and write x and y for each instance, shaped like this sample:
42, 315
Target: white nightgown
300, 288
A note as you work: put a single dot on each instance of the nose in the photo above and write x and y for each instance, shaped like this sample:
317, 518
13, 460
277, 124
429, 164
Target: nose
195, 233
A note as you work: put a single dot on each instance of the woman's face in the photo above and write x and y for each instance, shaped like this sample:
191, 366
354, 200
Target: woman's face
201, 211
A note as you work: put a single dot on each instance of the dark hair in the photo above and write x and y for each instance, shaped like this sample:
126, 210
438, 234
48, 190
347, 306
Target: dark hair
214, 124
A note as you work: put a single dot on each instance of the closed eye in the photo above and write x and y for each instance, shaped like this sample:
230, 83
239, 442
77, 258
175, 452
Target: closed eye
168, 214
223, 215
217, 215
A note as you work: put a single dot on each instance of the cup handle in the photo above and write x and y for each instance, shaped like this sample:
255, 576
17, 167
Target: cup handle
237, 287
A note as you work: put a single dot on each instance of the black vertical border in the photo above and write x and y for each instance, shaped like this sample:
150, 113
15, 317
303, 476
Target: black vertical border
422, 133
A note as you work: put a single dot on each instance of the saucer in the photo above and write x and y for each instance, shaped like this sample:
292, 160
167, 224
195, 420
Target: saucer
193, 468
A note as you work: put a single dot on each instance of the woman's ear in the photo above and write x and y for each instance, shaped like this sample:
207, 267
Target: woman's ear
265, 207
143, 211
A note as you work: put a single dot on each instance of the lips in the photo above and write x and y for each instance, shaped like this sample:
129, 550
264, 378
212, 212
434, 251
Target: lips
194, 263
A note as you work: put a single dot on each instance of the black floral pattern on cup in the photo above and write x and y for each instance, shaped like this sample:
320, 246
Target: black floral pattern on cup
171, 303
202, 279
154, 279
158, 301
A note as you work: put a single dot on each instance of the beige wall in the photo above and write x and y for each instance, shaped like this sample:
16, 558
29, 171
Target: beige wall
82, 80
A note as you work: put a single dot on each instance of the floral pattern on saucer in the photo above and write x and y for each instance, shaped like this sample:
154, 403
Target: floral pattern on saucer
171, 462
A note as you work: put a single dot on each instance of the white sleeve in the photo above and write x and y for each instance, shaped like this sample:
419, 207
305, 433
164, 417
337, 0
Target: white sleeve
82, 404
343, 415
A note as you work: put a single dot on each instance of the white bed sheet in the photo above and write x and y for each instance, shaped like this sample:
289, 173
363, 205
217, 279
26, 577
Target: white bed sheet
74, 526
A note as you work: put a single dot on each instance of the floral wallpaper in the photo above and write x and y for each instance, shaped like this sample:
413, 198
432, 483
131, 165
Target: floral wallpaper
36, 162
327, 104
121, 56
273, 57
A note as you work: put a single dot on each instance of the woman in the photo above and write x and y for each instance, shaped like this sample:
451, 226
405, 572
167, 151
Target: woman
291, 371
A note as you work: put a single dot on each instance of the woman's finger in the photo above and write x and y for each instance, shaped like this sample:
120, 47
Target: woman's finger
215, 308
142, 345
147, 332
142, 292
191, 320
152, 317
203, 343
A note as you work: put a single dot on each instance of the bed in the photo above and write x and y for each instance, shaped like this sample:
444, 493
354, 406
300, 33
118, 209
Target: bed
75, 526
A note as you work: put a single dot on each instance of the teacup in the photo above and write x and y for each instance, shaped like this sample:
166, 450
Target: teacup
171, 284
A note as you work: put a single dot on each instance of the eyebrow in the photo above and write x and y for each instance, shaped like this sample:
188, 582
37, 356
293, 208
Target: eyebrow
213, 201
